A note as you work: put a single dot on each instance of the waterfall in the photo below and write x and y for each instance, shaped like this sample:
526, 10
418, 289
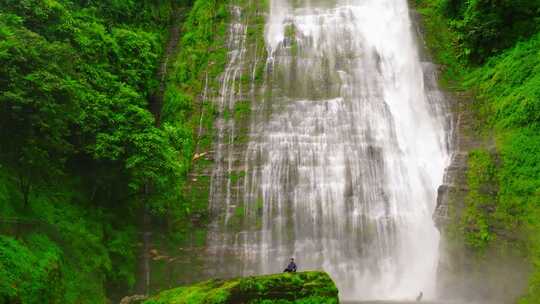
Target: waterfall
347, 147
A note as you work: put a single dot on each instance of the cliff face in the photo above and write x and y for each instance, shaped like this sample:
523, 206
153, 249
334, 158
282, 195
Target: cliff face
226, 39
305, 287
495, 273
480, 260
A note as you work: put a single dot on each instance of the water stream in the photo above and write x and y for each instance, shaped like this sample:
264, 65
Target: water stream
346, 150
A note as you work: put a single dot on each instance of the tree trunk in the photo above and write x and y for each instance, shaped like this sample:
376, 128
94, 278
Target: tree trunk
25, 187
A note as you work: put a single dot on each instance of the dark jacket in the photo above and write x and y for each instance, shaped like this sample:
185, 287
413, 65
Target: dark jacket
291, 267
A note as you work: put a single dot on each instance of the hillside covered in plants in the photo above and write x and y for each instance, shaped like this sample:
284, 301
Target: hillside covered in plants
108, 128
98, 120
490, 59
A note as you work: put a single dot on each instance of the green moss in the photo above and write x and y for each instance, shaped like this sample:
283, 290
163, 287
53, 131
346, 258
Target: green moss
290, 34
203, 57
196, 68
443, 44
236, 176
305, 287
239, 212
481, 200
242, 109
238, 217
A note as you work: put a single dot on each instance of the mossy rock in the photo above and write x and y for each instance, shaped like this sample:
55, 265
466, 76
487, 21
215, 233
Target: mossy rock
303, 287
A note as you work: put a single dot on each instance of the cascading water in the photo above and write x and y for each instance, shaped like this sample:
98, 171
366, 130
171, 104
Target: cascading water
346, 151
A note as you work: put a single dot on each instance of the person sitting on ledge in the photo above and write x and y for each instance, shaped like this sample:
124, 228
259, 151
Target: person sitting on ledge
291, 267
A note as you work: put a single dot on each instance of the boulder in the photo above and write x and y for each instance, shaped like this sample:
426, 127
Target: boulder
304, 287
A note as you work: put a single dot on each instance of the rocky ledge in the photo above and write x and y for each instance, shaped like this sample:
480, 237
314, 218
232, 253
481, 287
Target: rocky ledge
301, 288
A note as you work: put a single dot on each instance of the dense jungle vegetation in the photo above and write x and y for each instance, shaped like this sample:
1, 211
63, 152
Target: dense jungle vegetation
89, 141
490, 51
90, 138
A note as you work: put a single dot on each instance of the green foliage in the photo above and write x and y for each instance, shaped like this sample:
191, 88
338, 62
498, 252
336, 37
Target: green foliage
480, 201
92, 248
533, 291
242, 109
30, 270
443, 43
74, 85
195, 70
193, 81
508, 88
202, 57
520, 175
511, 83
80, 152
236, 176
304, 287
486, 27
503, 202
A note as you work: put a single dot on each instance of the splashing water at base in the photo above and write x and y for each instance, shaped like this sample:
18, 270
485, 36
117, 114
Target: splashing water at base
346, 152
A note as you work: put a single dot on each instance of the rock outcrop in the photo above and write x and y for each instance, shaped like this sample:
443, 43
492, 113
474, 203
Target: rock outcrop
305, 287
494, 274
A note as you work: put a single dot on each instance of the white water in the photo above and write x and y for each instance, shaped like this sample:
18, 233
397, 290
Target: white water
346, 153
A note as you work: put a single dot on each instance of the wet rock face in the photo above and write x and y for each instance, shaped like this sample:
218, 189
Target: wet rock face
304, 287
347, 146
494, 274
